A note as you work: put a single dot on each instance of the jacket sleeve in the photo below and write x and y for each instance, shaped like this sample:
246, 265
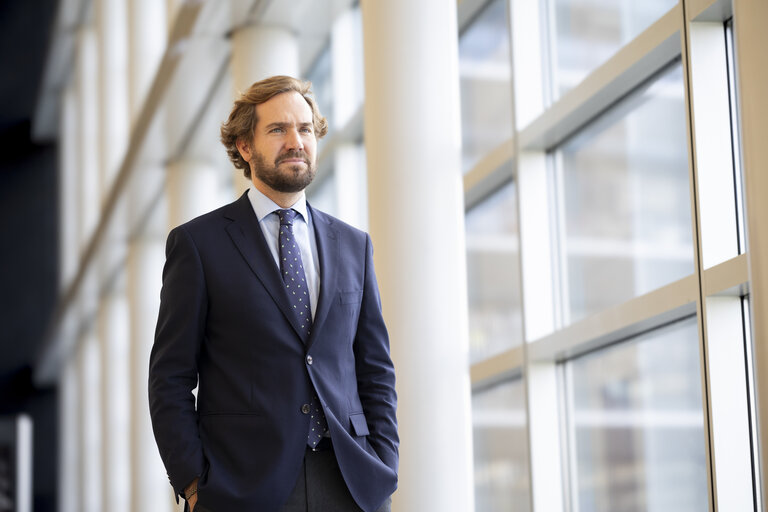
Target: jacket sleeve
173, 360
375, 371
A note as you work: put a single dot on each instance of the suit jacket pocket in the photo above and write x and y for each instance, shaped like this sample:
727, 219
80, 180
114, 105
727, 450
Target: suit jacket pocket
359, 424
351, 297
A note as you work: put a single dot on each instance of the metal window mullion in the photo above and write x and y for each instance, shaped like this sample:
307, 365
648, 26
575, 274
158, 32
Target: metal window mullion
700, 310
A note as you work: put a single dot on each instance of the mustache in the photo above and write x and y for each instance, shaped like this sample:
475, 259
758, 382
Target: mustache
292, 154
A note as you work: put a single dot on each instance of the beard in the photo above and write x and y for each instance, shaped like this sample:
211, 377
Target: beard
293, 179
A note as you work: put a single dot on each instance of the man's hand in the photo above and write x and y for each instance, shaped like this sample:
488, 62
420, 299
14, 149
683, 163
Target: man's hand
190, 494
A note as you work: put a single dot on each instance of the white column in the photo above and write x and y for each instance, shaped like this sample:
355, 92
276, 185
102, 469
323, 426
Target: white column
259, 52
112, 34
113, 333
191, 190
147, 38
193, 181
751, 37
69, 438
144, 270
88, 165
69, 247
112, 321
413, 144
87, 350
89, 381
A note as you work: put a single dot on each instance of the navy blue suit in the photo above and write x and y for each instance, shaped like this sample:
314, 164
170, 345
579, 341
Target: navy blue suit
224, 319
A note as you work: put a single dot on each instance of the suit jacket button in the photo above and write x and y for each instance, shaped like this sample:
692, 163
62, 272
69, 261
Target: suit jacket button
305, 409
309, 360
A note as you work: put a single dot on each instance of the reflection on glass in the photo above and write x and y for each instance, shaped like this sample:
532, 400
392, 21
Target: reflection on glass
501, 449
636, 425
486, 91
588, 32
493, 280
627, 213
321, 77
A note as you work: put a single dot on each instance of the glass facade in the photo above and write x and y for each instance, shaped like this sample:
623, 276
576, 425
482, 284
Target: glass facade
493, 274
586, 33
485, 78
637, 426
501, 448
626, 211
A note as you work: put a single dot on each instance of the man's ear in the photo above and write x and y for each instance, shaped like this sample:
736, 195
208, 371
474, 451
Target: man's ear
244, 148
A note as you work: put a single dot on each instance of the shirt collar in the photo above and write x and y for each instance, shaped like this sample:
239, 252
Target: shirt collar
263, 206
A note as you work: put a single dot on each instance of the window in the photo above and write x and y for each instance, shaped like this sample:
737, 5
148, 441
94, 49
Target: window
501, 448
493, 259
586, 33
636, 425
485, 74
321, 76
624, 199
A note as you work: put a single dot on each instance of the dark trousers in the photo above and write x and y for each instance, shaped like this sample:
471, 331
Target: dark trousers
321, 488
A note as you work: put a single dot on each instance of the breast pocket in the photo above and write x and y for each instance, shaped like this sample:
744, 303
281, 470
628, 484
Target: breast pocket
354, 297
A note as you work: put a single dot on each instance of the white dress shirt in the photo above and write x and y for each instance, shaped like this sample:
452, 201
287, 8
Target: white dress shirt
303, 232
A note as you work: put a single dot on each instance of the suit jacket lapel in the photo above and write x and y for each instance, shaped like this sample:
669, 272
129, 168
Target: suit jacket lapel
327, 240
247, 236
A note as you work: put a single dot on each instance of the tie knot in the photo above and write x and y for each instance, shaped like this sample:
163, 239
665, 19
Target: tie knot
286, 216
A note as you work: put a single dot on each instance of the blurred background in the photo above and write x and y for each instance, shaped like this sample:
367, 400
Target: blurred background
590, 329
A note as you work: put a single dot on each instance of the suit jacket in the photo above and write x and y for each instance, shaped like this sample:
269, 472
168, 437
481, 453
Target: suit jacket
225, 326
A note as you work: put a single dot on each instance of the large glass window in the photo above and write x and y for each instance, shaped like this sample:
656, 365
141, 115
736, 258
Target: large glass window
625, 209
501, 448
486, 91
587, 33
636, 425
493, 275
321, 76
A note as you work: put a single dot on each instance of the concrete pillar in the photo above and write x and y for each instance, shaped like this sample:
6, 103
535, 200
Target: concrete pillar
86, 68
413, 145
87, 350
69, 438
112, 36
193, 180
191, 190
69, 247
144, 270
257, 53
113, 334
112, 326
147, 38
752, 80
89, 381
145, 221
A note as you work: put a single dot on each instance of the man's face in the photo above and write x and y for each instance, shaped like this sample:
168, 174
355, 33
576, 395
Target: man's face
282, 153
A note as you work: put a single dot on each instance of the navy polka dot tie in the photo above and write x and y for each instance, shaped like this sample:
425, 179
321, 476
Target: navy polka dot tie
292, 272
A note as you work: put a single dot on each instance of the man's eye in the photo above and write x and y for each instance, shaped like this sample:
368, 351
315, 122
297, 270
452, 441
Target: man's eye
275, 130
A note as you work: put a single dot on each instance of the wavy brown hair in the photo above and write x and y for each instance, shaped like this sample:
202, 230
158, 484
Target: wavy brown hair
241, 123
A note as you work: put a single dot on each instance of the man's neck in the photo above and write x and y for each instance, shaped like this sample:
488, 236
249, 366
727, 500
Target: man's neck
281, 199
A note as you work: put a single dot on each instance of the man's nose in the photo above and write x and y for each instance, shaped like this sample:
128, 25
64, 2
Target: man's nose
293, 140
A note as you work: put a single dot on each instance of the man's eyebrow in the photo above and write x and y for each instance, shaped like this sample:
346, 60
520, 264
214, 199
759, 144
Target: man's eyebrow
280, 124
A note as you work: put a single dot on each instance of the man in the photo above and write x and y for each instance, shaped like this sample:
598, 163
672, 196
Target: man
272, 309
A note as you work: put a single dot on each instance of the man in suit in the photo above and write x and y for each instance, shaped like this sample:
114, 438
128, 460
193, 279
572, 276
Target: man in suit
272, 309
